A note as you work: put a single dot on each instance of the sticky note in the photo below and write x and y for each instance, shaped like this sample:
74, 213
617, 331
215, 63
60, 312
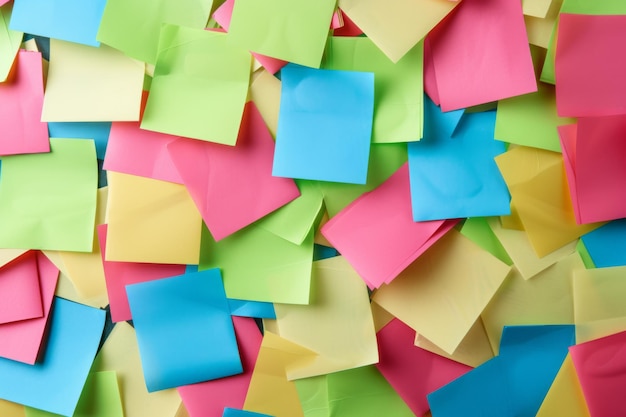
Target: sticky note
247, 308
20, 293
587, 71
120, 20
167, 315
607, 244
565, 394
412, 371
477, 229
536, 8
500, 65
68, 20
233, 186
10, 41
21, 98
540, 29
337, 323
55, 384
10, 409
311, 143
396, 27
232, 412
392, 239
211, 397
87, 84
98, 131
199, 86
265, 93
151, 221
398, 103
48, 200
414, 297
294, 32
454, 177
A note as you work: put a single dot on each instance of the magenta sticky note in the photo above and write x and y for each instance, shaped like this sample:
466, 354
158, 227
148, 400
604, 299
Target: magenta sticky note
120, 274
21, 340
21, 100
208, 399
601, 368
20, 294
567, 137
481, 54
412, 371
430, 78
376, 232
589, 67
233, 186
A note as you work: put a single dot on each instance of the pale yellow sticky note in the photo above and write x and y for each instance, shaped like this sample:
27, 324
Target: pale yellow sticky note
539, 30
545, 299
522, 253
396, 26
182, 411
536, 8
151, 221
270, 391
120, 353
474, 350
565, 397
442, 293
85, 269
337, 324
265, 93
8, 409
87, 84
381, 316
512, 221
319, 237
599, 307
7, 255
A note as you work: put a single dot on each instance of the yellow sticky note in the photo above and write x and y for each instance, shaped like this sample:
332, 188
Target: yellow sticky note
539, 29
265, 93
151, 221
8, 409
565, 397
87, 84
545, 299
599, 308
396, 26
381, 316
443, 292
120, 353
537, 8
337, 324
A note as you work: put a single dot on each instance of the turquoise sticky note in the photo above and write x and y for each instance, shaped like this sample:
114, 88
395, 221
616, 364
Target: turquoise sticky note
184, 330
98, 131
68, 20
607, 244
247, 308
55, 383
456, 176
233, 412
325, 125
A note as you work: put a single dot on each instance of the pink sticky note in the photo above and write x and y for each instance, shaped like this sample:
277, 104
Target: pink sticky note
223, 15
21, 340
376, 232
589, 66
208, 399
20, 294
567, 137
132, 150
481, 54
349, 28
430, 78
120, 274
21, 100
233, 186
412, 371
3, 2
601, 368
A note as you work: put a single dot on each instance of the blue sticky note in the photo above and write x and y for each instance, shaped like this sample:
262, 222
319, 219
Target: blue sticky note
233, 412
607, 244
98, 131
247, 308
55, 383
184, 330
325, 125
456, 176
69, 20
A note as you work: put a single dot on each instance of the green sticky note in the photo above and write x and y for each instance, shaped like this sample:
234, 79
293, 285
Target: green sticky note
584, 255
199, 86
258, 265
294, 31
359, 392
100, 398
398, 88
478, 230
10, 41
122, 19
48, 200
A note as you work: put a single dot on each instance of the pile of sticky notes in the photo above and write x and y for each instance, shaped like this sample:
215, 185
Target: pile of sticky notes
312, 208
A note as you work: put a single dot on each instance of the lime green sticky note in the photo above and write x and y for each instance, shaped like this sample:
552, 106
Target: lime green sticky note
398, 88
478, 230
100, 398
258, 265
199, 86
10, 41
48, 200
293, 31
122, 19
